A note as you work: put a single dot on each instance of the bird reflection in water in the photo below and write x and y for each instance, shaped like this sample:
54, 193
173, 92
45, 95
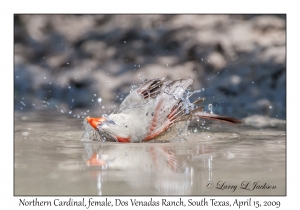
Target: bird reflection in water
150, 168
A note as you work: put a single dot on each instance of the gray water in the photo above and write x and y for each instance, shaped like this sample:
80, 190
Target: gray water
51, 159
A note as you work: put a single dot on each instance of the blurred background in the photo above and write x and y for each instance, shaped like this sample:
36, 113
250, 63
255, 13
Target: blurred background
89, 62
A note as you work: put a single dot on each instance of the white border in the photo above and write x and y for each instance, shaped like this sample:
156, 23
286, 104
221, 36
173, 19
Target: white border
154, 6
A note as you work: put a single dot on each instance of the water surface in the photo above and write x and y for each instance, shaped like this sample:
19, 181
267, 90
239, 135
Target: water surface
51, 159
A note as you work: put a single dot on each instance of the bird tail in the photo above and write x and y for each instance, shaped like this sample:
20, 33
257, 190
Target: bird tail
199, 113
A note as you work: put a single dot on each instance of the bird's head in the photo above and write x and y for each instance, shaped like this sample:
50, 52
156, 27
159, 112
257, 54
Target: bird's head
111, 128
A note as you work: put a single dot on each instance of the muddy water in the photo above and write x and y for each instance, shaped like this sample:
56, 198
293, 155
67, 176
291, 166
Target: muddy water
51, 159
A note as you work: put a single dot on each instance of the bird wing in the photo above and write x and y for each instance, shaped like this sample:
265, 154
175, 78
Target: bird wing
145, 92
169, 106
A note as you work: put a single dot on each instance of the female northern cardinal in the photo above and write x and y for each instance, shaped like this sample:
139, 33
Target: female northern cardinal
150, 110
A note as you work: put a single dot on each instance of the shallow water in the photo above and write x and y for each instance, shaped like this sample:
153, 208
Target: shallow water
51, 159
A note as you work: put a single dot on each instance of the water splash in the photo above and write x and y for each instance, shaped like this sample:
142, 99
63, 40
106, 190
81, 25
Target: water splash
185, 98
210, 108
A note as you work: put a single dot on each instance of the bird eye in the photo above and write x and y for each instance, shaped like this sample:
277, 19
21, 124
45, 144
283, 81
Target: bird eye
108, 121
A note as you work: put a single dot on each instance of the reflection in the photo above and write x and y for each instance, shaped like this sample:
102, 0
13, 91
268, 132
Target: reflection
149, 168
99, 182
210, 168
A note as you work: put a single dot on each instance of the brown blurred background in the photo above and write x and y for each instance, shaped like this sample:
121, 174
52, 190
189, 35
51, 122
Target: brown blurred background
67, 62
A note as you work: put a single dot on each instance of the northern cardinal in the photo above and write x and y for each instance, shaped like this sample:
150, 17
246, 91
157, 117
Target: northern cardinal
151, 112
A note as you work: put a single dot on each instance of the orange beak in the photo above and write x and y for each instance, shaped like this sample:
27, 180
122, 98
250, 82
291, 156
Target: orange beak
95, 122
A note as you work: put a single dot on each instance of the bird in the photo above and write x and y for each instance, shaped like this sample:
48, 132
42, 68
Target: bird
155, 110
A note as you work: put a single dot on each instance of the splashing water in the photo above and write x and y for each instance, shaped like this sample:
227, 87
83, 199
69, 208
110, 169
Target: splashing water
210, 108
188, 106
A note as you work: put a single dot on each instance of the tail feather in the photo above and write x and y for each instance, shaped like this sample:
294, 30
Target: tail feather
212, 116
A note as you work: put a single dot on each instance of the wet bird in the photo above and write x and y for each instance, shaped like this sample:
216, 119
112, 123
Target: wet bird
153, 111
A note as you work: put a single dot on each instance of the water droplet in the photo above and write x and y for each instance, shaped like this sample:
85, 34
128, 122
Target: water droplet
25, 133
195, 130
95, 94
210, 107
203, 89
167, 64
121, 99
69, 87
44, 77
107, 81
270, 107
78, 116
17, 77
62, 111
70, 112
99, 100
72, 99
84, 113
33, 104
23, 103
252, 82
124, 42
68, 63
103, 107
88, 111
